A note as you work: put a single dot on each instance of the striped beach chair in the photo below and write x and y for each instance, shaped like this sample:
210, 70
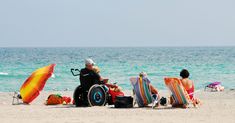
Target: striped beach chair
142, 93
178, 92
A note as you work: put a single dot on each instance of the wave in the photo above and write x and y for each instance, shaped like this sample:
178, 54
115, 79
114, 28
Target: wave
4, 73
53, 75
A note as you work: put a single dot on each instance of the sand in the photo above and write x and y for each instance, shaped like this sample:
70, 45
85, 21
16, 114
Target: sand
217, 107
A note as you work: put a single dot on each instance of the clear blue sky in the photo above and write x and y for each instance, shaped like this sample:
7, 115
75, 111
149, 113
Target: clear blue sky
79, 23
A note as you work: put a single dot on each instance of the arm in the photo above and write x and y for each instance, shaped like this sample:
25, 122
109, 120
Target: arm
99, 78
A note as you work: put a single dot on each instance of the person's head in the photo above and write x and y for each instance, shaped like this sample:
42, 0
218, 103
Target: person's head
184, 73
89, 63
143, 74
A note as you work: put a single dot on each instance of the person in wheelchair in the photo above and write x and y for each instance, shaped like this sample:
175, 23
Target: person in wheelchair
88, 78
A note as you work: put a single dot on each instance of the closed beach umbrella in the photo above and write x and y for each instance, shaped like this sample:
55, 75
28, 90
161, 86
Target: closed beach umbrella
35, 83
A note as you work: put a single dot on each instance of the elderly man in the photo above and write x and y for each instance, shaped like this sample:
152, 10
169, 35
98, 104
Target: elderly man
88, 77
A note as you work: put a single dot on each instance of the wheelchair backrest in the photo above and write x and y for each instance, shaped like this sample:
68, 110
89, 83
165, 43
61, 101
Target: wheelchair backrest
87, 79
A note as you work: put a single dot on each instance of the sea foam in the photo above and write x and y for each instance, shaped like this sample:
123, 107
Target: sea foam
4, 73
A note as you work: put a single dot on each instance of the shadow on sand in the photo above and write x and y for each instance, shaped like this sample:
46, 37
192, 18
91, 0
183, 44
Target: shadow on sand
109, 107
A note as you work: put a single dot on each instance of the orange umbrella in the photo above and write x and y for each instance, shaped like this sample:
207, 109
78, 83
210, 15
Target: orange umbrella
35, 83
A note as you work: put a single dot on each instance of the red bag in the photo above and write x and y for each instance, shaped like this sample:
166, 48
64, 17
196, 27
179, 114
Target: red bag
55, 99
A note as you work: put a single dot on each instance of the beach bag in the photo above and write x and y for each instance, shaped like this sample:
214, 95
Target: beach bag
123, 102
163, 101
113, 95
54, 99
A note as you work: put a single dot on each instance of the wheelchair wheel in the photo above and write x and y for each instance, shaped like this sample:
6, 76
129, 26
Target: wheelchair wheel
97, 96
77, 96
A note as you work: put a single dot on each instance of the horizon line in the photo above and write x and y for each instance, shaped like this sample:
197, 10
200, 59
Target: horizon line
112, 46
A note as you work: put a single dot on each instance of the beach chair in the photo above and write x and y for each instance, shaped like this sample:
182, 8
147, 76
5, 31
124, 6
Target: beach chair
178, 92
142, 92
16, 97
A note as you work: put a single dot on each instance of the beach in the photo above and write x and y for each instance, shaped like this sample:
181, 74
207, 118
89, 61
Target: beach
217, 107
97, 50
212, 67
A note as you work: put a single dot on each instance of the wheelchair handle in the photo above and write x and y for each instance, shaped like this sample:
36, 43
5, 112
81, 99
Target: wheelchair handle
73, 70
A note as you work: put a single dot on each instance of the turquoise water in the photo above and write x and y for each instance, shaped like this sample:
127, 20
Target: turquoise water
119, 64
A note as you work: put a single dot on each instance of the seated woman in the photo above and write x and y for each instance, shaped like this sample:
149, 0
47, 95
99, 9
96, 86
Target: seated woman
189, 86
144, 91
153, 89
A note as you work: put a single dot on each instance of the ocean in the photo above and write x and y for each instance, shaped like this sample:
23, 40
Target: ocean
205, 64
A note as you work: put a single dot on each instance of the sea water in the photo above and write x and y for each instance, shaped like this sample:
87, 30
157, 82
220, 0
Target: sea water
205, 64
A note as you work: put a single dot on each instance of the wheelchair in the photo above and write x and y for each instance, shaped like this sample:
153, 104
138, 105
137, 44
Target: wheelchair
97, 95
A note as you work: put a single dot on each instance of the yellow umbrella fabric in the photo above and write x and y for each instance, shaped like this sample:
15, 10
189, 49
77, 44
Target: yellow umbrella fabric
35, 83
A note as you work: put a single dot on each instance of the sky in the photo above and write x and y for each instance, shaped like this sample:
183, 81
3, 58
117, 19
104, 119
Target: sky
116, 23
